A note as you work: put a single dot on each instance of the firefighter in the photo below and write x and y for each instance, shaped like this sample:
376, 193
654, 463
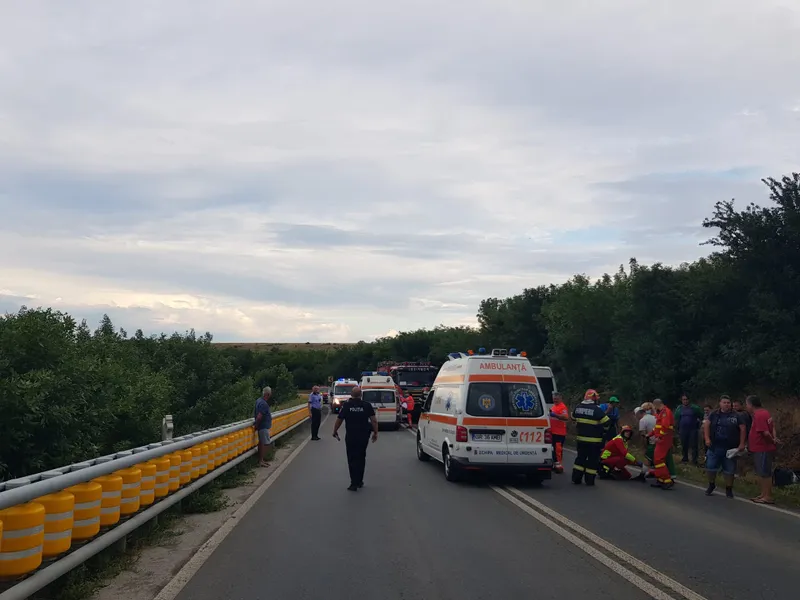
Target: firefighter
616, 457
591, 422
663, 435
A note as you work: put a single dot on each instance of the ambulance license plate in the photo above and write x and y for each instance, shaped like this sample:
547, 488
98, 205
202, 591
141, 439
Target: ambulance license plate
487, 437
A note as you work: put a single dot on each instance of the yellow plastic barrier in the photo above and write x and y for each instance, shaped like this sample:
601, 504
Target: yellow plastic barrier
88, 500
219, 452
223, 449
174, 471
186, 467
131, 491
23, 538
163, 465
195, 451
147, 491
203, 459
59, 511
212, 456
112, 499
236, 440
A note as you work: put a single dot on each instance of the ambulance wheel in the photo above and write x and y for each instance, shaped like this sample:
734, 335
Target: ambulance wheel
450, 469
421, 455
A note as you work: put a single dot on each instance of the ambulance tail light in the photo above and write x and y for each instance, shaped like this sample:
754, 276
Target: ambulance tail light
461, 434
548, 436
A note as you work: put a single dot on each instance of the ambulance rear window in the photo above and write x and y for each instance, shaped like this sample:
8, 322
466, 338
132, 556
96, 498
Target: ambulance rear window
378, 396
485, 400
342, 390
523, 400
518, 400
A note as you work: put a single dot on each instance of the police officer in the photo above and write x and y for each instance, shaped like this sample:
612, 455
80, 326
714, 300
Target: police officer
360, 419
590, 422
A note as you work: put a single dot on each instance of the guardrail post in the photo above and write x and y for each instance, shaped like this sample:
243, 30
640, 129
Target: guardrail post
167, 428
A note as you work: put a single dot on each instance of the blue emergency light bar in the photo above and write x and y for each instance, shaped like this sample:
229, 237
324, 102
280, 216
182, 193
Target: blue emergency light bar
512, 351
481, 350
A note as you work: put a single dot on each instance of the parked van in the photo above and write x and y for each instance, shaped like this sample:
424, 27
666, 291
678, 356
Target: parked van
340, 392
487, 413
379, 391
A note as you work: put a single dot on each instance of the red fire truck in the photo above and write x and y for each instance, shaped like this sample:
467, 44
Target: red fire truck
411, 377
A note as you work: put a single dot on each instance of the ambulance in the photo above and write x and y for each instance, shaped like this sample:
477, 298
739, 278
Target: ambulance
486, 413
379, 390
340, 392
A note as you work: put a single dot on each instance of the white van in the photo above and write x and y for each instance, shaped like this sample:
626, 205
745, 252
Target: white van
547, 383
340, 392
487, 413
381, 393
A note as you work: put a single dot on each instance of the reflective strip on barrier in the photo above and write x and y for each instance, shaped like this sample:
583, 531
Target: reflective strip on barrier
14, 534
87, 505
57, 535
114, 494
129, 500
86, 522
109, 510
59, 516
130, 486
4, 556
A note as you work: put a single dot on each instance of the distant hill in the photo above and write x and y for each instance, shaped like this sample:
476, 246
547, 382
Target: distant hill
267, 346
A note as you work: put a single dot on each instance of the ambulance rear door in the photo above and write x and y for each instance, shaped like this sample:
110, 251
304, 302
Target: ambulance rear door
527, 422
485, 423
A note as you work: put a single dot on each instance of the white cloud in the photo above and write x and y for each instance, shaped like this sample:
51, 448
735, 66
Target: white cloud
338, 168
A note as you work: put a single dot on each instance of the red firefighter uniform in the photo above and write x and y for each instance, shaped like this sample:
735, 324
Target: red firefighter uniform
664, 432
616, 457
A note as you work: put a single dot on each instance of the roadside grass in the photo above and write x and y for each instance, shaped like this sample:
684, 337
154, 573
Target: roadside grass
88, 578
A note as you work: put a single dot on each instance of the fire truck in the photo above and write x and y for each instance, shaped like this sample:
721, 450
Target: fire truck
411, 377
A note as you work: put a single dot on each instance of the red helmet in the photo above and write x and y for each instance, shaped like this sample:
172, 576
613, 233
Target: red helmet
590, 395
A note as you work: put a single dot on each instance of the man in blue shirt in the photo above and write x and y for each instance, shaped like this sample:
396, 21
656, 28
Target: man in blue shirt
315, 411
262, 422
612, 410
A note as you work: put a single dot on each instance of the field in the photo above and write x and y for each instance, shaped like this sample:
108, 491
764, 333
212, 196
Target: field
267, 346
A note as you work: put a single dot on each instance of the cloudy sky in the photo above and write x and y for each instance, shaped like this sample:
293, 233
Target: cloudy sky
333, 170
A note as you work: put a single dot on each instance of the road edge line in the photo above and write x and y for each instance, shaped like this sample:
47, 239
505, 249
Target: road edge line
628, 575
175, 586
658, 576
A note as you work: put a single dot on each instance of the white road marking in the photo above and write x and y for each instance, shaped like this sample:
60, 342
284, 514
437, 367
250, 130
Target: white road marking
747, 501
631, 577
620, 554
190, 569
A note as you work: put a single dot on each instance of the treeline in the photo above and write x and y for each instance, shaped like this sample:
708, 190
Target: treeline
68, 393
728, 323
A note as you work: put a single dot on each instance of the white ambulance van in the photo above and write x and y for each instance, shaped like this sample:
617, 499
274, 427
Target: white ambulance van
487, 413
340, 392
379, 390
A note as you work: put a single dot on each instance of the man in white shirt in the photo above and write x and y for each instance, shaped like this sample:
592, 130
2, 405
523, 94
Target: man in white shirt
647, 423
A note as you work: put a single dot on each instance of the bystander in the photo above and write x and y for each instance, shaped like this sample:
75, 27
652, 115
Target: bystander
763, 443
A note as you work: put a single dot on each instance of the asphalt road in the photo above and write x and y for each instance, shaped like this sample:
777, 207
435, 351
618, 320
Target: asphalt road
309, 538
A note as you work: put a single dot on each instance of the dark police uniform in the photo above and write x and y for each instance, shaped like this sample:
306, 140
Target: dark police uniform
591, 423
356, 415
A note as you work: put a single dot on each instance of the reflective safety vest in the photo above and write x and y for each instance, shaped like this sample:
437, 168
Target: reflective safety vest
617, 446
665, 423
590, 422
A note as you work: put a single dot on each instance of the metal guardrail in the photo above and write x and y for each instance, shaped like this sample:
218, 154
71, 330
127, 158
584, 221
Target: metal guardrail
38, 501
